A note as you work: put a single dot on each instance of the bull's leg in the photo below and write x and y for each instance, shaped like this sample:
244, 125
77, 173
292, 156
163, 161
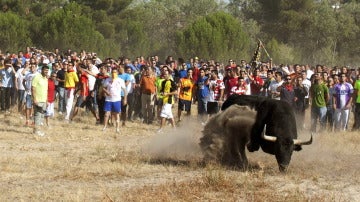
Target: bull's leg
243, 159
255, 136
231, 156
234, 153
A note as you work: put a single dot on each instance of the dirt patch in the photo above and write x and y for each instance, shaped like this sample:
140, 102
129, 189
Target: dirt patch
78, 162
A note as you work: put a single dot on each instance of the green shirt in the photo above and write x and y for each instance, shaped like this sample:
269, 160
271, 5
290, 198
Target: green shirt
40, 84
158, 82
357, 87
318, 93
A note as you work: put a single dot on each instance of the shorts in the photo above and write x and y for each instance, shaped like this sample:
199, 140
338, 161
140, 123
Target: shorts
166, 111
184, 104
28, 102
212, 107
112, 106
50, 110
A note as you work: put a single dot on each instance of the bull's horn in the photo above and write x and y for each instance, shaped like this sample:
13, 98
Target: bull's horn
300, 142
267, 137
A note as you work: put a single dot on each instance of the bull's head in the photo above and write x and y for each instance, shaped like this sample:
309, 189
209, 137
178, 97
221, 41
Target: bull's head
283, 148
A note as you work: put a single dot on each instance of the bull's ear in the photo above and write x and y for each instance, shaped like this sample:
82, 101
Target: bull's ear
297, 147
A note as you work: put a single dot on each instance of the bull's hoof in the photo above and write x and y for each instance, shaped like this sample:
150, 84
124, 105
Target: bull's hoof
252, 147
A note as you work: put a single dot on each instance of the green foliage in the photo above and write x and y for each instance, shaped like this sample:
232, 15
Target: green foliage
14, 32
218, 35
67, 28
296, 31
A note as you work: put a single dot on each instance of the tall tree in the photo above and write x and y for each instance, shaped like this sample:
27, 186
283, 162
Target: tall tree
14, 32
218, 35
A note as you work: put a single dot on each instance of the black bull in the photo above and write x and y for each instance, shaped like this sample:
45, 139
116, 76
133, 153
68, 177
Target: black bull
274, 129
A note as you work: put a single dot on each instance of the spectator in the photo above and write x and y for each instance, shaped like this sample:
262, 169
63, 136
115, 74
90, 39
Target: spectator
168, 90
7, 76
256, 83
126, 77
28, 97
20, 75
203, 93
112, 87
131, 95
71, 79
300, 92
185, 92
329, 104
274, 94
342, 101
39, 90
216, 86
240, 88
60, 77
319, 94
287, 92
50, 98
357, 103
148, 92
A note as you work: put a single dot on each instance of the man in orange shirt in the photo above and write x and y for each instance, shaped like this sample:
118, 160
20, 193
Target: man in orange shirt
148, 91
185, 93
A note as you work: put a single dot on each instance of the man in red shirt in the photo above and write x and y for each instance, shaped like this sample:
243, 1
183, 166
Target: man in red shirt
51, 98
231, 82
256, 83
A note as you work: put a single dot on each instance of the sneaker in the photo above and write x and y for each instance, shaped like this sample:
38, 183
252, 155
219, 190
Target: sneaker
60, 113
104, 128
39, 133
159, 131
118, 130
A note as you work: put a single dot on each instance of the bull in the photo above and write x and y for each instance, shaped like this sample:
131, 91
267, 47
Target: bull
274, 129
226, 134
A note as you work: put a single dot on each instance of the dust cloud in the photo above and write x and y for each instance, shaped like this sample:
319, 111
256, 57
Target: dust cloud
181, 143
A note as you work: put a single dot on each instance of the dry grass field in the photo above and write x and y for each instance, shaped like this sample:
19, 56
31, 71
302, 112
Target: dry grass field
79, 162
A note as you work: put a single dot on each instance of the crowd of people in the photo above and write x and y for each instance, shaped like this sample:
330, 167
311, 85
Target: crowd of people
147, 89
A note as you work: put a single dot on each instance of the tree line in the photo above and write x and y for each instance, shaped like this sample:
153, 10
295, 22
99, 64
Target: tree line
297, 31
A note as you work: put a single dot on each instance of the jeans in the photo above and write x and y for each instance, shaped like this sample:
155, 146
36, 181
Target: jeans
202, 105
357, 117
61, 104
318, 113
5, 96
330, 117
21, 99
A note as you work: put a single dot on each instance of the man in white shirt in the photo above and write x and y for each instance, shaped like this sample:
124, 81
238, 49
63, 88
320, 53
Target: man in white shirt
274, 94
112, 87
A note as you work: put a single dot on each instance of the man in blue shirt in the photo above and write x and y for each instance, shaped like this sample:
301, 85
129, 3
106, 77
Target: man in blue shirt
203, 93
7, 75
126, 77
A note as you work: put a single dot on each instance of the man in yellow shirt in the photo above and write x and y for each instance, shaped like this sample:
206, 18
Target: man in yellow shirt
168, 91
71, 79
39, 90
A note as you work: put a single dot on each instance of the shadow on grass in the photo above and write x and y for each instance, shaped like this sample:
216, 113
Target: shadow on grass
201, 164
